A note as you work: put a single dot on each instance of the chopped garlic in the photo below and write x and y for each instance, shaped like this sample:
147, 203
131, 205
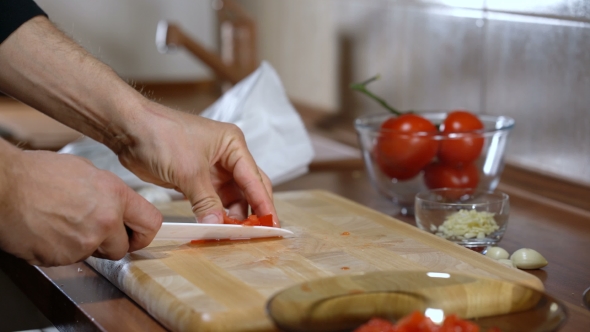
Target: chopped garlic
468, 224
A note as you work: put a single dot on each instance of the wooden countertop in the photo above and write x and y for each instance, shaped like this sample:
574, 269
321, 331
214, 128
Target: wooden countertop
78, 297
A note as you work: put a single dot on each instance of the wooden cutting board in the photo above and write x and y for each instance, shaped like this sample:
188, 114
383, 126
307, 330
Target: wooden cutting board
224, 286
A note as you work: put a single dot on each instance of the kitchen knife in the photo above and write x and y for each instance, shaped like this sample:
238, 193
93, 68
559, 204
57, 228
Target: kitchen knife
187, 229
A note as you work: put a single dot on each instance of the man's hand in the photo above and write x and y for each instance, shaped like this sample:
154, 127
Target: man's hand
208, 161
60, 209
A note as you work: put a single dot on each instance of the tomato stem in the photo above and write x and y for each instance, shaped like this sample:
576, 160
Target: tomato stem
362, 87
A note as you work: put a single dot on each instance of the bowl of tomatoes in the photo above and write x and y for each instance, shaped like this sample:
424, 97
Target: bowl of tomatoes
408, 153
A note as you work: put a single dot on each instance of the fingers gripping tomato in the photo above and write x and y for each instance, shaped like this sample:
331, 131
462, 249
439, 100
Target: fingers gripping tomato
401, 152
467, 147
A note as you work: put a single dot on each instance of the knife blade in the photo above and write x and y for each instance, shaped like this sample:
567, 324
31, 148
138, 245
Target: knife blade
186, 229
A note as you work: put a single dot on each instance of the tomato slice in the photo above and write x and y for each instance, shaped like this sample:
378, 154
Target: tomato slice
416, 321
266, 220
377, 325
252, 220
453, 323
229, 220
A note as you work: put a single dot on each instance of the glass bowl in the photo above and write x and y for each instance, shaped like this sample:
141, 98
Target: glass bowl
344, 302
483, 173
472, 218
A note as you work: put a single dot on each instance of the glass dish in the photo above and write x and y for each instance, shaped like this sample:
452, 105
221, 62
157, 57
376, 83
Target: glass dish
344, 302
471, 218
487, 167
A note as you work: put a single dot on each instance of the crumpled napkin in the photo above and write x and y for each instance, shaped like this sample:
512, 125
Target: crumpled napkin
258, 104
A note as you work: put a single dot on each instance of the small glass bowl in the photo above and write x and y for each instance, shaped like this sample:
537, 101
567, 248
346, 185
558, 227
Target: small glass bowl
471, 218
487, 167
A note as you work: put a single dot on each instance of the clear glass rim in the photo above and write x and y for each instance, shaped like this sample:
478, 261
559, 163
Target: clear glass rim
367, 124
494, 197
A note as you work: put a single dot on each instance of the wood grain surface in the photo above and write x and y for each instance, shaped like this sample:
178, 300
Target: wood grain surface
224, 286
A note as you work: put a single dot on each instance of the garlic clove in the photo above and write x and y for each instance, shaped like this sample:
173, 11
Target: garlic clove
497, 253
528, 259
507, 262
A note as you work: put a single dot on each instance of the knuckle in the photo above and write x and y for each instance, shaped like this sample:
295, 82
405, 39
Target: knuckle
152, 222
108, 221
235, 132
83, 257
87, 245
109, 180
157, 218
204, 204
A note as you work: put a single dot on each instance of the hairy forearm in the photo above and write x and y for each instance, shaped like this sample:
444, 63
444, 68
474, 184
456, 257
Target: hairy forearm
42, 67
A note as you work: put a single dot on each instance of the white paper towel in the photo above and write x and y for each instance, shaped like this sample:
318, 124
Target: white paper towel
258, 104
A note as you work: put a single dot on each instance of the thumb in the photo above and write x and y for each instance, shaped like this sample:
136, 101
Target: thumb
206, 204
142, 218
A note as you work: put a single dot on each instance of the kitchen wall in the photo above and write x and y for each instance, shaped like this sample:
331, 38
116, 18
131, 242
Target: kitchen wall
528, 59
298, 39
122, 34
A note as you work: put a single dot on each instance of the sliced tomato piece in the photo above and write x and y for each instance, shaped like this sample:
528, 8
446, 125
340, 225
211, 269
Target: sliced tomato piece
417, 322
266, 220
453, 323
377, 325
252, 220
229, 220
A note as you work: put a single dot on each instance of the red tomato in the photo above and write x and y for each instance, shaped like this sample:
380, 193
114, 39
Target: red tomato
464, 149
252, 220
438, 175
229, 220
377, 325
400, 152
266, 220
453, 323
416, 322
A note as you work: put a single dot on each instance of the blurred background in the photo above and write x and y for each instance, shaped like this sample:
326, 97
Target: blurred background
527, 59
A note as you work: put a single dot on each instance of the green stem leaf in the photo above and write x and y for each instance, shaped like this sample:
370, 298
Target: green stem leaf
362, 87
